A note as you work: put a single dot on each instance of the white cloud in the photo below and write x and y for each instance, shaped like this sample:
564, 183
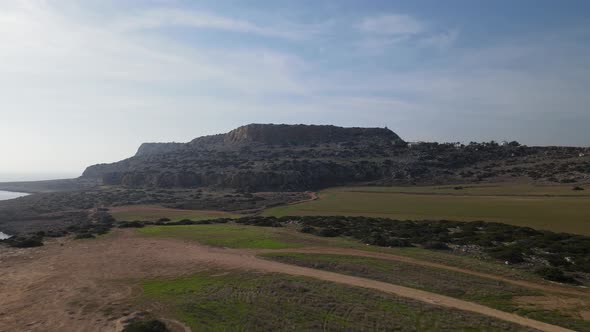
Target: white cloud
381, 33
162, 17
84, 89
392, 25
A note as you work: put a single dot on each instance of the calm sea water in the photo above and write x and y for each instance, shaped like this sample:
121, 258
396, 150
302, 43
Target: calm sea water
4, 195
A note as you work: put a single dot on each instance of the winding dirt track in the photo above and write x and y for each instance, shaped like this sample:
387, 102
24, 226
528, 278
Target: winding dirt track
546, 287
79, 285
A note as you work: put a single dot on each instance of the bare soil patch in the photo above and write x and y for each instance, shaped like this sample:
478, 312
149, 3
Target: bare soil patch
84, 285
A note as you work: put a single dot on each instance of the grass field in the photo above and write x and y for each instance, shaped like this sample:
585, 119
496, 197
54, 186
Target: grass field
153, 213
233, 235
497, 189
224, 235
556, 208
240, 236
485, 291
231, 301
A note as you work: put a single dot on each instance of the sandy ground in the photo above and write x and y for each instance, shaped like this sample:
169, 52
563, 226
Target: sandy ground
83, 285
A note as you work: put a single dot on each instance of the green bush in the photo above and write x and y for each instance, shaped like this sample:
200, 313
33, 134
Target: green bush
132, 224
436, 245
146, 326
510, 254
28, 242
307, 229
84, 236
555, 274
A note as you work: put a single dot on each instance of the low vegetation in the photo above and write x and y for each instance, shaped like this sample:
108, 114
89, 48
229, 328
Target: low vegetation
485, 291
226, 301
554, 208
231, 236
155, 213
525, 246
146, 326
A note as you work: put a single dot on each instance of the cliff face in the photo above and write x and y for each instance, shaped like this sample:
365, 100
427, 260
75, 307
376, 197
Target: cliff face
307, 134
157, 148
258, 157
300, 157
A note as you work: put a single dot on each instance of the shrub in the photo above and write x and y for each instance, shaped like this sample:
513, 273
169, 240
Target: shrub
133, 224
436, 245
185, 222
555, 274
510, 254
308, 229
577, 188
28, 242
146, 326
84, 236
329, 232
164, 219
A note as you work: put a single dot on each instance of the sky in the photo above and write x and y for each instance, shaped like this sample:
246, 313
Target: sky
85, 82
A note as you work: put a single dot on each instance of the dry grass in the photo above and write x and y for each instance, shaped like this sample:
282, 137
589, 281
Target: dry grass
518, 205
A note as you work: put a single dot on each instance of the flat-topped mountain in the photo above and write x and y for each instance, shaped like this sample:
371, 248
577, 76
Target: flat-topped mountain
279, 134
269, 157
307, 134
258, 157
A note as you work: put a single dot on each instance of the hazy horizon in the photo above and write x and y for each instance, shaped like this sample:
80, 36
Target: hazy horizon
37, 176
88, 82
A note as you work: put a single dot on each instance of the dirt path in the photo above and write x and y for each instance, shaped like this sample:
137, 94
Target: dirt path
546, 287
81, 285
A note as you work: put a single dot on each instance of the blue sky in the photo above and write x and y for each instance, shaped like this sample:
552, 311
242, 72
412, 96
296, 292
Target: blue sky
83, 82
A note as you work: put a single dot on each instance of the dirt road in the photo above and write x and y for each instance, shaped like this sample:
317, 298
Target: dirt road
83, 285
546, 287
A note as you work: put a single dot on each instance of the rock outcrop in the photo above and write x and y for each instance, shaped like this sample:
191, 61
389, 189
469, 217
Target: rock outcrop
267, 157
157, 148
307, 134
258, 157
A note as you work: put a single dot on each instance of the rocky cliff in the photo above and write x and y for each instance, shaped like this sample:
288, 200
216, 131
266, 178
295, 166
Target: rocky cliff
263, 157
258, 157
157, 148
307, 134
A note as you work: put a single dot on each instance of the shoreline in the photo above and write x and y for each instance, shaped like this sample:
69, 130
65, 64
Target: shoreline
16, 194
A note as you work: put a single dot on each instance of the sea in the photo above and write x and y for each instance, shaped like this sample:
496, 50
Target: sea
4, 195
14, 177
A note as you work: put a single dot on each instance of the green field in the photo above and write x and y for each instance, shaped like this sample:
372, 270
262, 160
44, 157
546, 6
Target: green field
490, 189
242, 301
153, 213
253, 237
233, 235
556, 208
489, 292
224, 235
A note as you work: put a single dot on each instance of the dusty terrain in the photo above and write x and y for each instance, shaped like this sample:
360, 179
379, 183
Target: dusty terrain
84, 285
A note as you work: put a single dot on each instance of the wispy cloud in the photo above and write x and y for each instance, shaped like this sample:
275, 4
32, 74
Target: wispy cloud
441, 41
76, 73
382, 32
392, 25
166, 17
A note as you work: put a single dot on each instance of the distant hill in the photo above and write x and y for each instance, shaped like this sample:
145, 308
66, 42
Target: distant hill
270, 157
273, 134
